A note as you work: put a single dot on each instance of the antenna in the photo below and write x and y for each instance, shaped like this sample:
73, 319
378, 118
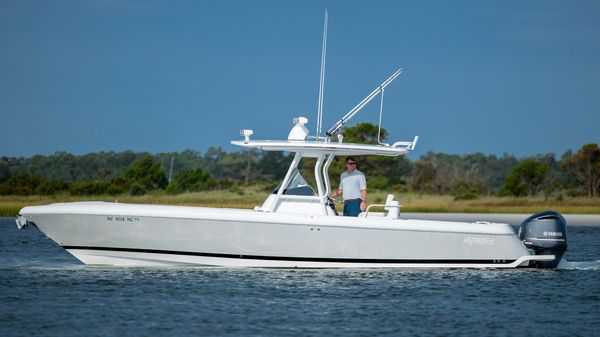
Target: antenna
380, 113
322, 78
171, 169
362, 103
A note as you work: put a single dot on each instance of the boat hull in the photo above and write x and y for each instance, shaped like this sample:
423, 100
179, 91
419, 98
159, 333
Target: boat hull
141, 235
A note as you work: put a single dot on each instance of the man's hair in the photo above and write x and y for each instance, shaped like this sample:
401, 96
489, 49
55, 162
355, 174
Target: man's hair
350, 158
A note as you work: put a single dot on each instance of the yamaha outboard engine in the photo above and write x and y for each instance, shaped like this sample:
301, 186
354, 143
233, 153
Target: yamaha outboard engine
545, 233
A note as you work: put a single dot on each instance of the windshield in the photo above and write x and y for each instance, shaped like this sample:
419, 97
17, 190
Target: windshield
297, 186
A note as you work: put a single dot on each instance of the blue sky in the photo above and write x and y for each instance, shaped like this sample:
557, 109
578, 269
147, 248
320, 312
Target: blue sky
516, 77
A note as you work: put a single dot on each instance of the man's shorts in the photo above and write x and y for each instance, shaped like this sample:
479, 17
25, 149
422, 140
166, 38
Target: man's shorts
352, 207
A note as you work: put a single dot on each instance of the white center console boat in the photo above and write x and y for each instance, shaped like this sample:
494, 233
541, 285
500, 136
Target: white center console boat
297, 225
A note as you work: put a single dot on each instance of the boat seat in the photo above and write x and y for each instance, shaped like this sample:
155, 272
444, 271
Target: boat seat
391, 206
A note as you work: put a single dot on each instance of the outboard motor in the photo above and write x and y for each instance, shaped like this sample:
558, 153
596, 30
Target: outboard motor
545, 233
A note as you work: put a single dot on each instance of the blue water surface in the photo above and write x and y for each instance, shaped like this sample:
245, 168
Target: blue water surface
44, 291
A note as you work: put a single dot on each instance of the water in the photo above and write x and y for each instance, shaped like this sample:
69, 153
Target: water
45, 291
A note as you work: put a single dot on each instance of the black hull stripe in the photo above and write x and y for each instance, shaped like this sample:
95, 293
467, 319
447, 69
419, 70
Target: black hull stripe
294, 258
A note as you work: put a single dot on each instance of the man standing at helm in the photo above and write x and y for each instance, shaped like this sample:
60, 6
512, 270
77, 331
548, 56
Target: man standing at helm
353, 187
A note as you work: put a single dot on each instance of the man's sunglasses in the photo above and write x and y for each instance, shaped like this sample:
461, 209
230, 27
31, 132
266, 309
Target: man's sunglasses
351, 163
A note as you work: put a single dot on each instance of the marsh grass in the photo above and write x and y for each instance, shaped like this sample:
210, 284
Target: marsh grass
250, 196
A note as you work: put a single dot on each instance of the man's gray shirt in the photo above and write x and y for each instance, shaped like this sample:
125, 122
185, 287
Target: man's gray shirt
352, 183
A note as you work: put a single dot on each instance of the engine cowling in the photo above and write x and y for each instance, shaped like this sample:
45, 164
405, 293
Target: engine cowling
545, 233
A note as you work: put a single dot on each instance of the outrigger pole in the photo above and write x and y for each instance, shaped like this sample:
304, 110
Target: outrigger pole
336, 127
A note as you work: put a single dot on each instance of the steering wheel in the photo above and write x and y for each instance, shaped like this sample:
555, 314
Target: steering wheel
331, 203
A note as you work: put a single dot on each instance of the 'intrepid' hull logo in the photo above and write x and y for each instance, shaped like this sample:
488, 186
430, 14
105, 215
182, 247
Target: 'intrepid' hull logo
478, 241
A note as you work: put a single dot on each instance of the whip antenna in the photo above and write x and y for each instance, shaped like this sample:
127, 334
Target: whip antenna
322, 78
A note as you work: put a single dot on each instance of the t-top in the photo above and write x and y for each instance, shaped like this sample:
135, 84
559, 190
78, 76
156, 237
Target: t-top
352, 183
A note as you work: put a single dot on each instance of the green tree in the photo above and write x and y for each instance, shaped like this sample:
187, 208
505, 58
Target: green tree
423, 176
53, 186
273, 164
464, 189
191, 181
381, 172
526, 178
364, 133
484, 174
4, 169
20, 184
143, 175
584, 166
89, 187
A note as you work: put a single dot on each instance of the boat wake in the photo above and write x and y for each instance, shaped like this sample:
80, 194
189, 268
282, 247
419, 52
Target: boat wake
580, 265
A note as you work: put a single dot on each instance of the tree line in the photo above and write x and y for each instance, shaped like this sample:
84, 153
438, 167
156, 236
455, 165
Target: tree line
464, 176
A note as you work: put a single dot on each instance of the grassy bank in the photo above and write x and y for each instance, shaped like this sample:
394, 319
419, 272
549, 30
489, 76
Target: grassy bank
251, 196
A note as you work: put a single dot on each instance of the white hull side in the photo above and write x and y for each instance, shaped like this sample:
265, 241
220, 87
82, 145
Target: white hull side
243, 238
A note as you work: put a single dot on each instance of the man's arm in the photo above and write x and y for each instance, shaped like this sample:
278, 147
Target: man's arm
363, 192
363, 203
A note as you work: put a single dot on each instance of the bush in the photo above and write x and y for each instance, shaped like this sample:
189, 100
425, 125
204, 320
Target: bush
20, 184
191, 181
576, 192
113, 189
224, 184
137, 189
466, 196
268, 186
379, 183
401, 187
237, 189
49, 187
464, 190
89, 187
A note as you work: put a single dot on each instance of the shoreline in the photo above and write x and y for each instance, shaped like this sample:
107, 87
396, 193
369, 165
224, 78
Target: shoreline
248, 197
